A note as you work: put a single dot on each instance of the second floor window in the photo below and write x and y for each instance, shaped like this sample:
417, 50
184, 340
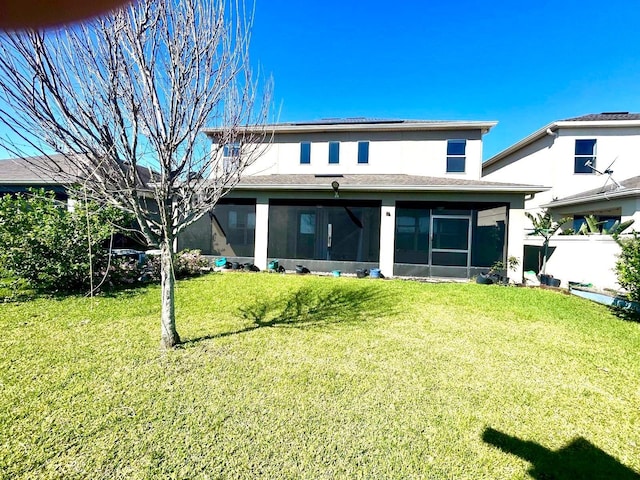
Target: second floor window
231, 150
585, 159
305, 153
363, 152
231, 156
334, 152
456, 156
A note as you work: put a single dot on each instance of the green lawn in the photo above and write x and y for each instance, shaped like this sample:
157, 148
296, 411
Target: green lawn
308, 377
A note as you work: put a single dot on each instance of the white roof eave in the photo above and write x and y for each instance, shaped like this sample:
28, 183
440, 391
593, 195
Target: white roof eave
399, 188
485, 126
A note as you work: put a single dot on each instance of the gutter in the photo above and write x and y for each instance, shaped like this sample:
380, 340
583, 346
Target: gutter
397, 188
364, 127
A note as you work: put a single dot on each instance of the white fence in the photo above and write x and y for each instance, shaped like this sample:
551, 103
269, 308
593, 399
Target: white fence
579, 258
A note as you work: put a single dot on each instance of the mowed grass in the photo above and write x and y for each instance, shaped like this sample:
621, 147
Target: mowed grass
308, 377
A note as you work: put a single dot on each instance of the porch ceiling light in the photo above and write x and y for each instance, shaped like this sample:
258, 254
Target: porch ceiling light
335, 185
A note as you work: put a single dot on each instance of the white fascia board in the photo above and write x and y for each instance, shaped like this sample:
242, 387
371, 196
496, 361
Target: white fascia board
401, 188
522, 143
369, 127
599, 197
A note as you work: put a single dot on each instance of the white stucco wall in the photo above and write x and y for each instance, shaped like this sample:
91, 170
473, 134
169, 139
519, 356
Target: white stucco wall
582, 258
410, 153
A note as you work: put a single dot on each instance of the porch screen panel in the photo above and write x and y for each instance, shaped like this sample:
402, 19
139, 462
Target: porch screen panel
233, 229
412, 235
333, 231
488, 236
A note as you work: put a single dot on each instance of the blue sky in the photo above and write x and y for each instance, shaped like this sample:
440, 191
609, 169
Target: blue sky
524, 64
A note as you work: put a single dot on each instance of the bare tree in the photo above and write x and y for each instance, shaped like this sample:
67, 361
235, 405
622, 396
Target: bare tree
123, 100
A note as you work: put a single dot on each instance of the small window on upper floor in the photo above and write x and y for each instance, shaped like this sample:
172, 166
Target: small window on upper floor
585, 159
334, 152
363, 152
230, 156
305, 153
456, 156
231, 150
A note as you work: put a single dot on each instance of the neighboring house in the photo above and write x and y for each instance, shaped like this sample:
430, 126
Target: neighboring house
54, 173
591, 164
18, 175
400, 195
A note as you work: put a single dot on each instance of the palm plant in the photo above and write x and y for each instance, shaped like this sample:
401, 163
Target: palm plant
592, 226
546, 227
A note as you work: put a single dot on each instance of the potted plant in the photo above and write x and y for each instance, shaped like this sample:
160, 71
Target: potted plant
498, 271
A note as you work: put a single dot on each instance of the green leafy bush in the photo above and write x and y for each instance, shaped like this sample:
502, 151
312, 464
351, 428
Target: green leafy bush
47, 246
628, 265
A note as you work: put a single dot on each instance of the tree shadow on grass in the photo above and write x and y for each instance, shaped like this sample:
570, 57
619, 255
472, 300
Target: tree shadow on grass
310, 307
627, 314
579, 459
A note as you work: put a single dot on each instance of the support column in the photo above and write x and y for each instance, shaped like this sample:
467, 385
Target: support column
387, 236
261, 232
515, 240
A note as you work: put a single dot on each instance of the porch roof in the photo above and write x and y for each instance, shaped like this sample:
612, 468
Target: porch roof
395, 182
628, 188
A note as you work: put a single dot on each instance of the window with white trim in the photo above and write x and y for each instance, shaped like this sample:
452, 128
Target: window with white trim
456, 155
334, 152
305, 153
585, 156
363, 152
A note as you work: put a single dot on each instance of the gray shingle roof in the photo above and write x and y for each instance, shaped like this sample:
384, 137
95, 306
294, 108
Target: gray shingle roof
35, 170
598, 117
387, 182
47, 170
348, 121
632, 183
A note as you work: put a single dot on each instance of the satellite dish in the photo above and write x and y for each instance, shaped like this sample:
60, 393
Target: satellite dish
607, 171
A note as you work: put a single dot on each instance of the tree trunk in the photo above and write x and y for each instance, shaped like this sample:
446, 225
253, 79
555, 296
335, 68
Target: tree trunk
544, 257
170, 337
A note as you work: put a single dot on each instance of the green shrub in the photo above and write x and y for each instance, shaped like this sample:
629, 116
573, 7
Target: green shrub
47, 246
628, 265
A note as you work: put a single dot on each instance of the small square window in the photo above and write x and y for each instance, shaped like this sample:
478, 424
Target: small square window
305, 152
363, 152
456, 147
231, 150
585, 156
334, 152
456, 156
455, 164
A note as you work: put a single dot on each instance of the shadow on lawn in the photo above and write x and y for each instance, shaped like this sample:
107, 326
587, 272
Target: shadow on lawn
311, 307
580, 459
625, 314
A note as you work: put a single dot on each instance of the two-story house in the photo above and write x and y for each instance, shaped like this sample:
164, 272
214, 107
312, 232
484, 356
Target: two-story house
402, 195
591, 164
